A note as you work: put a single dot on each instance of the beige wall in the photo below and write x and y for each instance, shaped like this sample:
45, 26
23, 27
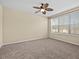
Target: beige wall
20, 26
0, 25
74, 39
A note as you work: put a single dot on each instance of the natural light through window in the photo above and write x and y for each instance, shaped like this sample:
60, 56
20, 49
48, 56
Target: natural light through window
67, 23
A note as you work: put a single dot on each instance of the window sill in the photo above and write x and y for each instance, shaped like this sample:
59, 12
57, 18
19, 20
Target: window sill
65, 34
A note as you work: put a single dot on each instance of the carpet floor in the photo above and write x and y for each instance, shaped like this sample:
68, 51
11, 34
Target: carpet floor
40, 49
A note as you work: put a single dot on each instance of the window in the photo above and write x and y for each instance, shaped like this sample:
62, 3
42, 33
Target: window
68, 23
75, 23
54, 25
64, 23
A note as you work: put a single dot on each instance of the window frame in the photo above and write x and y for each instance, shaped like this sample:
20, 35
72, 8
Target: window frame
69, 29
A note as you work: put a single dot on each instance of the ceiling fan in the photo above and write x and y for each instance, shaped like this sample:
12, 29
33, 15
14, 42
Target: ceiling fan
43, 8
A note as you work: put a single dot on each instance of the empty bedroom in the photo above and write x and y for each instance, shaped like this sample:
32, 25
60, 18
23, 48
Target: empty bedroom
39, 29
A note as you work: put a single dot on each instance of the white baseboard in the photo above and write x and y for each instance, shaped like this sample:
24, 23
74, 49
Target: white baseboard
37, 38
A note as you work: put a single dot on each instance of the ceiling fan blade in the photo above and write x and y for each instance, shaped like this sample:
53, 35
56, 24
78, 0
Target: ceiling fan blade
37, 11
49, 9
44, 12
46, 5
36, 7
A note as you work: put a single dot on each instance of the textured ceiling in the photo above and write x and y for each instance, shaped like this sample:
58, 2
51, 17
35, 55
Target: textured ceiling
26, 5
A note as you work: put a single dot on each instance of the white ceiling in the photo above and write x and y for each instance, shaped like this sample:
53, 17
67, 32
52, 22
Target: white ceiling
26, 5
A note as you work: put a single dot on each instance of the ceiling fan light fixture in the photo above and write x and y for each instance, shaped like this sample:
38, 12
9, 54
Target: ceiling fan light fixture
42, 10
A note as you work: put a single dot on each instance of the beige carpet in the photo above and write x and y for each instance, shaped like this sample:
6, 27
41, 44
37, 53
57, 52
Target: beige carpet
40, 49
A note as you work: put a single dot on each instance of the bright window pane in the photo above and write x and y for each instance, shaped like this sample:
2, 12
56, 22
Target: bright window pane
54, 25
75, 23
64, 24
